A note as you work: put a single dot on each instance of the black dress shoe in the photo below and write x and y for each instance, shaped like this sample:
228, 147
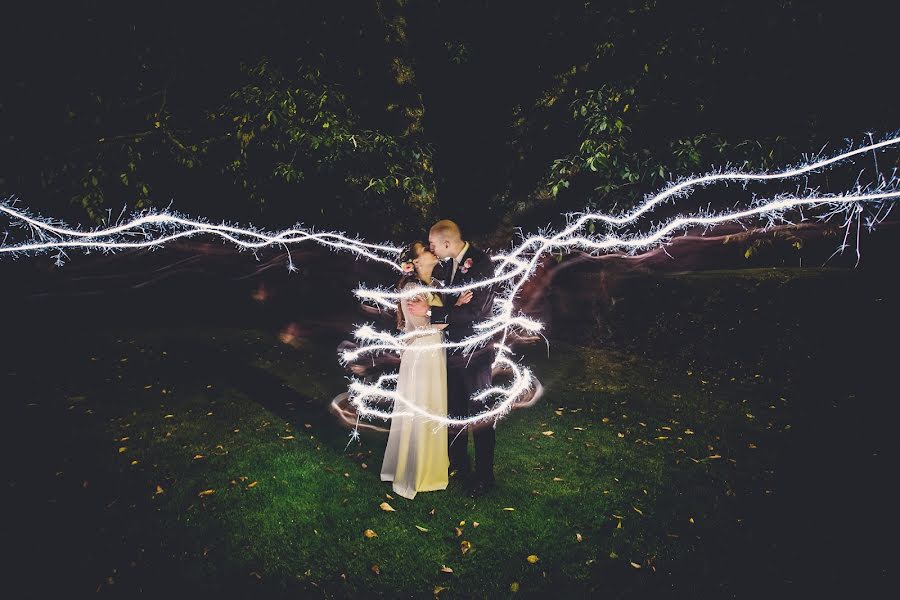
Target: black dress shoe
480, 487
459, 475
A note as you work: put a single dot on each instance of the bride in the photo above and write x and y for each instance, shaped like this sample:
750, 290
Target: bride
416, 459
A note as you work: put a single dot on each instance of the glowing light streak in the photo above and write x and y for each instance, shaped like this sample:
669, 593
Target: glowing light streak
513, 269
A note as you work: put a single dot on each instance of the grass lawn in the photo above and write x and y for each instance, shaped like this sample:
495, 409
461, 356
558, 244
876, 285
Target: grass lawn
204, 460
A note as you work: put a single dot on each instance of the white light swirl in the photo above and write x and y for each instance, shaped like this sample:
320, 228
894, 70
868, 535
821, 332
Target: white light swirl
513, 269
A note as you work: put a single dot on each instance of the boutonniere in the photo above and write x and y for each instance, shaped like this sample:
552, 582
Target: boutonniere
467, 264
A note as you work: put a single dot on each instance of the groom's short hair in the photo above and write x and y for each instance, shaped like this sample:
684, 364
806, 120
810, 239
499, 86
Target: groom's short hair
447, 229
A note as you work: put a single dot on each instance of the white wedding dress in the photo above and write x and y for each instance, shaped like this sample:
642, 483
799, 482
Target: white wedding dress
416, 458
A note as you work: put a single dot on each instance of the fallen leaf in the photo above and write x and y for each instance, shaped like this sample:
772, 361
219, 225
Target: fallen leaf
386, 507
198, 456
254, 484
547, 433
619, 526
578, 537
462, 523
558, 479
370, 534
168, 416
475, 523
465, 546
634, 564
205, 493
638, 511
389, 497
605, 420
509, 508
160, 490
438, 589
458, 531
376, 569
431, 512
532, 558
514, 587
446, 569
134, 462
613, 555
578, 428
122, 450
420, 528
286, 437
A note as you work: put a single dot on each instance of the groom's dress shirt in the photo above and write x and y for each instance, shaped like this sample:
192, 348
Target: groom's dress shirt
458, 260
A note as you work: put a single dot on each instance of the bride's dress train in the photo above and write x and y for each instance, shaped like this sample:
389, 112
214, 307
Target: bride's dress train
416, 458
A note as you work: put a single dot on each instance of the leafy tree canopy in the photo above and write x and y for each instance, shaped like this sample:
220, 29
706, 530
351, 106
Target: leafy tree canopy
378, 117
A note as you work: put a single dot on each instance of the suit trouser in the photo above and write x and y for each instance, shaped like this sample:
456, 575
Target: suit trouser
462, 382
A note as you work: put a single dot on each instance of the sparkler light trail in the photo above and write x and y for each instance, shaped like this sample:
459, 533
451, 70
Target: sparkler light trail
513, 269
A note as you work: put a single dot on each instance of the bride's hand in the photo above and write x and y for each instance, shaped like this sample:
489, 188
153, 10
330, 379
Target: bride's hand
464, 298
417, 306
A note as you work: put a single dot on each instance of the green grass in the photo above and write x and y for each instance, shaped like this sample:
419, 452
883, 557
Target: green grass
651, 467
736, 446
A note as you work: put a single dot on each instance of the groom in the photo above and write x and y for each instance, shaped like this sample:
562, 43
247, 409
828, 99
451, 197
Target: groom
463, 263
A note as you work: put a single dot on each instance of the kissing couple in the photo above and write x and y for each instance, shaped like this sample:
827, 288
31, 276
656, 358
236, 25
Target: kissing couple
422, 455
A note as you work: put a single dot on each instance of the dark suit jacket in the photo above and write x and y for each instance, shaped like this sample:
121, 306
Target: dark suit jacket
460, 319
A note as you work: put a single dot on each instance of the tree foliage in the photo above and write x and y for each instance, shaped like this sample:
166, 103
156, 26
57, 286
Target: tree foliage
388, 114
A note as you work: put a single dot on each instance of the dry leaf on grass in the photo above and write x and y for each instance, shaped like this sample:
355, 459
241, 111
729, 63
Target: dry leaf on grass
205, 493
578, 537
386, 507
465, 546
420, 528
446, 569
547, 433
370, 534
376, 569
532, 558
